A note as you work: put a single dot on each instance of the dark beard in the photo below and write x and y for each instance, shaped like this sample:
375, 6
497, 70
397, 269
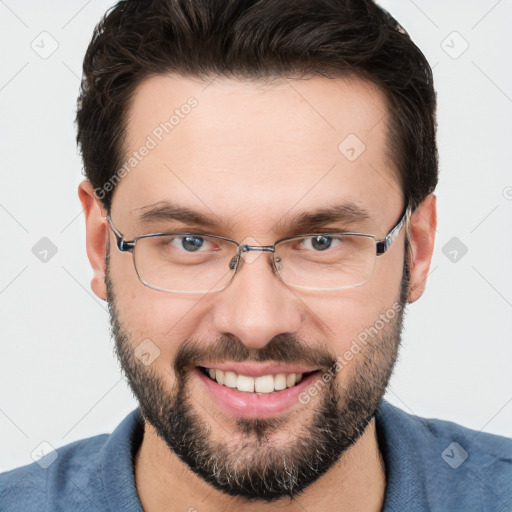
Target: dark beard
257, 469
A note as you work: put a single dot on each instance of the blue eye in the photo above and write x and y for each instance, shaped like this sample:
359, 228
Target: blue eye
320, 242
189, 243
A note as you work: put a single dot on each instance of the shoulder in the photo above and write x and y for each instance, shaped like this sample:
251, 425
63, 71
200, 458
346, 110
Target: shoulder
72, 472
436, 430
456, 464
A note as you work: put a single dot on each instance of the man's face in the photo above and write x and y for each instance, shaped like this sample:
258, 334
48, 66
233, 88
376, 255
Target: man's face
252, 159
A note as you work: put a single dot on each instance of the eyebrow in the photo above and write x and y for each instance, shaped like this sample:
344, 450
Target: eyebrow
303, 222
165, 211
309, 221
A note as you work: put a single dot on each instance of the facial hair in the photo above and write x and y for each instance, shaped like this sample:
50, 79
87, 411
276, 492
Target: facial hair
256, 468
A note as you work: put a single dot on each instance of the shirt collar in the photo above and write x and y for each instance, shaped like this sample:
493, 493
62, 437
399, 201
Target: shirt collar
117, 464
404, 472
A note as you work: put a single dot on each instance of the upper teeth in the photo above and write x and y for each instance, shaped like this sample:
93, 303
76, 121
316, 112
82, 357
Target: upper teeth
263, 384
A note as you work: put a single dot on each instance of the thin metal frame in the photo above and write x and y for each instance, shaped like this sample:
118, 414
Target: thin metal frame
381, 246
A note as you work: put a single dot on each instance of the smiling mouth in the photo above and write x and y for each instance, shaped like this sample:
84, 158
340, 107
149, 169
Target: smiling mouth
263, 384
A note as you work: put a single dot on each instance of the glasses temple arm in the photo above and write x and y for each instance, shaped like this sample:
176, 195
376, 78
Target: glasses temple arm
384, 245
122, 245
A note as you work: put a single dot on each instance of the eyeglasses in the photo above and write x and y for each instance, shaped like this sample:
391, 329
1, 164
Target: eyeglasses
186, 262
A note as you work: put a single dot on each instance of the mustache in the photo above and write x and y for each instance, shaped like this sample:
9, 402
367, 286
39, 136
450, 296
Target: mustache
283, 348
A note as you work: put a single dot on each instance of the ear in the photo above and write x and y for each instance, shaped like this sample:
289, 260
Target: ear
96, 236
423, 223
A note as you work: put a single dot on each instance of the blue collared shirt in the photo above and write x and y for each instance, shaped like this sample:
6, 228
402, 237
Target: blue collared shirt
431, 465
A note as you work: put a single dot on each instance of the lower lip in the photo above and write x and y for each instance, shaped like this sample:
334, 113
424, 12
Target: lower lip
255, 405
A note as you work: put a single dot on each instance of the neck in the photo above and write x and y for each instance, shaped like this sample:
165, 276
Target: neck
356, 482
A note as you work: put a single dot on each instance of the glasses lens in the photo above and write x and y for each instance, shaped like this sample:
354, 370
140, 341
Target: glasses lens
185, 262
326, 261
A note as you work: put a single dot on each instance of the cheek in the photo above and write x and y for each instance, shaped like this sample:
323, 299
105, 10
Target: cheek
343, 316
145, 314
387, 275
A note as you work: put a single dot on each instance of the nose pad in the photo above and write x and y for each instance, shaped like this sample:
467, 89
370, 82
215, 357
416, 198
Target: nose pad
234, 262
278, 264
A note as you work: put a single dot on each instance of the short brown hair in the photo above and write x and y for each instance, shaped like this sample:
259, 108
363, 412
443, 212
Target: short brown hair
256, 39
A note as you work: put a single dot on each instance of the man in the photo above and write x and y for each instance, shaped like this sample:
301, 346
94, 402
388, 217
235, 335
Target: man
259, 209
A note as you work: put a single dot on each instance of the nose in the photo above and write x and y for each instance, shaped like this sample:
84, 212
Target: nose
257, 305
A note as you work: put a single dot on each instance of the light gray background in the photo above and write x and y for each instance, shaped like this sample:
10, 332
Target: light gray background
59, 380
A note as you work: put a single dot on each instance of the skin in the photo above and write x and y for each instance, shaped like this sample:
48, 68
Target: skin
250, 155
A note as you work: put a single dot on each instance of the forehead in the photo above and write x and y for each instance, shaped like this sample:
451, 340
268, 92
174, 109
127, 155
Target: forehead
251, 153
